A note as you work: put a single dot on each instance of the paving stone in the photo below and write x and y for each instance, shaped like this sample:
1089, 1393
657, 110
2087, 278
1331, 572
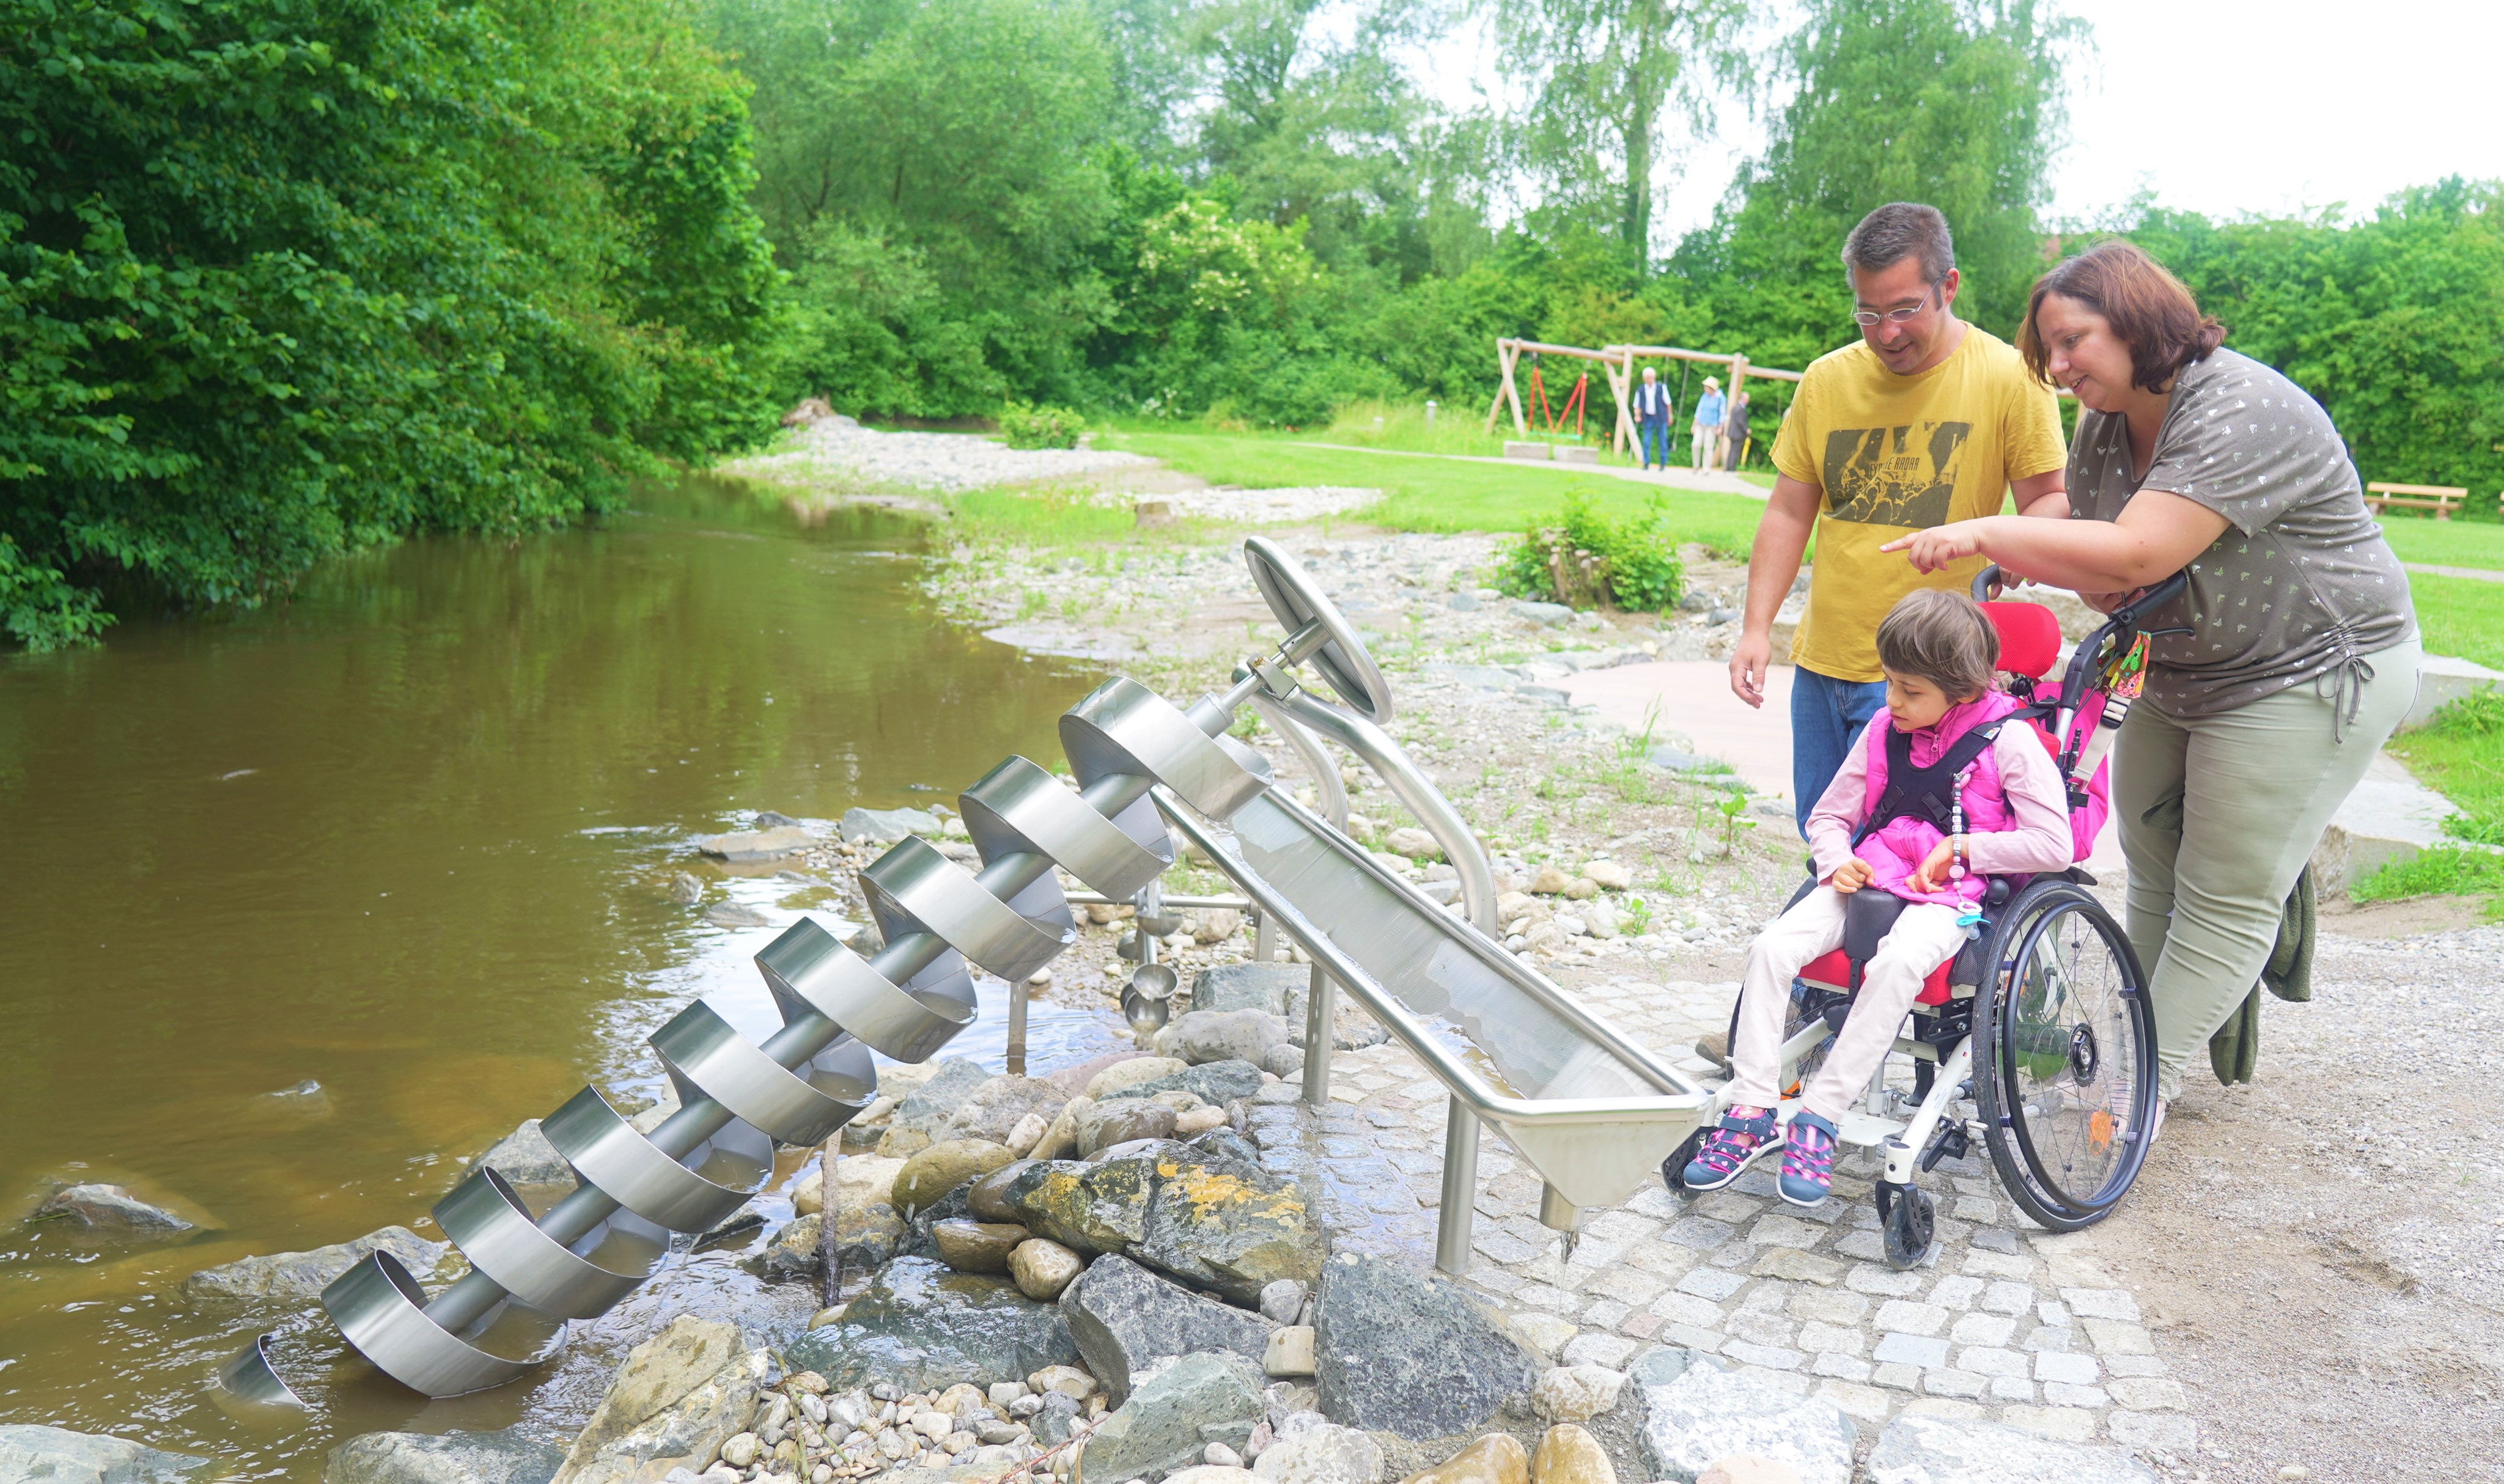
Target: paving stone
1944, 1406
2050, 1338
1993, 1264
1987, 1361
2006, 1298
1546, 1296
1866, 1403
1588, 1349
1910, 1350
1708, 1414
1759, 1327
1619, 1226
1700, 1232
2072, 1369
1907, 1317
1770, 1357
1606, 1314
1843, 1367
1954, 1383
1957, 1292
1977, 1208
1800, 1266
2171, 1432
1983, 1329
1687, 1309
1919, 1448
1693, 1337
2133, 1366
1767, 1297
1711, 1283
1785, 1231
2102, 1304
2063, 1394
2012, 1389
2148, 1393
2069, 1424
1832, 1308
1831, 1339
2113, 1337
1543, 1333
1866, 1246
2052, 1313
1501, 1246
1903, 1375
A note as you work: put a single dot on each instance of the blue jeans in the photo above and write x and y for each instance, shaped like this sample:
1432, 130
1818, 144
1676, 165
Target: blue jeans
1655, 437
1828, 715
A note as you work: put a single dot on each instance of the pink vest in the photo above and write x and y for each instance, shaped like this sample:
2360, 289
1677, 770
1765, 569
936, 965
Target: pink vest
1897, 848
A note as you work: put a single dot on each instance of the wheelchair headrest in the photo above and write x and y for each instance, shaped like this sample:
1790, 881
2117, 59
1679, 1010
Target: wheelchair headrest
2029, 637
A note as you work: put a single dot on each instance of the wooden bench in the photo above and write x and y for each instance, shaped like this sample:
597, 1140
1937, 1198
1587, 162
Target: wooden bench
2441, 499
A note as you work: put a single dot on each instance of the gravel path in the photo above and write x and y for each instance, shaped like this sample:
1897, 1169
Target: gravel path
839, 452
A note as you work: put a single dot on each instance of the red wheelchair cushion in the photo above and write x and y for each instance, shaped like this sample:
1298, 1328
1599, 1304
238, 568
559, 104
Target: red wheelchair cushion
2029, 637
1833, 971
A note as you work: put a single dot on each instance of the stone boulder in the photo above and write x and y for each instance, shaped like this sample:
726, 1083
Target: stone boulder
1697, 1413
508, 1457
1168, 1422
1495, 1458
1321, 1453
1230, 1229
885, 826
925, 1327
1215, 1082
1576, 1393
297, 1277
1351, 1028
109, 1210
59, 1456
524, 1157
750, 846
1043, 1269
994, 1110
1222, 1035
798, 1250
678, 1398
929, 1108
1130, 1073
1122, 1121
1124, 1319
941, 1168
976, 1247
1404, 1352
1917, 1449
1570, 1455
988, 1200
1261, 987
1088, 1208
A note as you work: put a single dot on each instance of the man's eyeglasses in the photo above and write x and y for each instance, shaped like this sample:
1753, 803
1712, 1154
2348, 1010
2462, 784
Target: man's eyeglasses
1866, 318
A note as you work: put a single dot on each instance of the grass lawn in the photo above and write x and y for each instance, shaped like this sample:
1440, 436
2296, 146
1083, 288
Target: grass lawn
2462, 616
2446, 543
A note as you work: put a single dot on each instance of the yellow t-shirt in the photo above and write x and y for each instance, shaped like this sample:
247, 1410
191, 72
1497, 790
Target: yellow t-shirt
1897, 454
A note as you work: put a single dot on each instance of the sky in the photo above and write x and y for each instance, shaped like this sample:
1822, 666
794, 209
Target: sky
2223, 107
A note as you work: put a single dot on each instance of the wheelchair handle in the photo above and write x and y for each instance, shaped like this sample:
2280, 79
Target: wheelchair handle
1982, 581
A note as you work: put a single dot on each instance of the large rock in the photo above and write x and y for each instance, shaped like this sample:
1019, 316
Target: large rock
1706, 1414
1577, 1393
976, 1247
1122, 1121
292, 1277
756, 844
1321, 1453
1215, 1082
678, 1398
1168, 1422
1495, 1458
886, 825
1917, 1449
1405, 1352
59, 1456
1261, 987
925, 1327
988, 1200
1088, 1208
1043, 1269
1569, 1455
1222, 1035
942, 1168
1231, 1230
995, 1108
928, 1109
1351, 1028
109, 1210
1124, 1319
1131, 1072
509, 1457
524, 1157
798, 1250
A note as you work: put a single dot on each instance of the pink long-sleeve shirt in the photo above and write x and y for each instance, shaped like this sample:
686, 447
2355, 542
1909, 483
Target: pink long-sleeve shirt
2040, 841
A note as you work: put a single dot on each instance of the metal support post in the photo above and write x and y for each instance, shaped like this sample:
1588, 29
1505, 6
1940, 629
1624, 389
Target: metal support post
1460, 1187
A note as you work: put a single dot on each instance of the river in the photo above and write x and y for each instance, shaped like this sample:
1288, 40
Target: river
409, 836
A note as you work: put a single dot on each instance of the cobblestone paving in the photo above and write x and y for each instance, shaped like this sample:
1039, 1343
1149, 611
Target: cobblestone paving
2006, 1321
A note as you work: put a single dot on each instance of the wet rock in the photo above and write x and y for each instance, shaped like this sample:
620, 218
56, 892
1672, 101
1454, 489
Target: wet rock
524, 1157
886, 825
996, 1107
1321, 1453
942, 1168
931, 1107
1261, 987
1917, 1449
1405, 1352
59, 1456
1233, 1230
1576, 1393
306, 1097
1569, 1455
988, 1200
685, 889
1171, 1419
1028, 1133
509, 1457
798, 1250
1215, 1083
736, 915
1060, 1140
289, 1277
1225, 1149
1351, 1028
1282, 1301
1124, 1319
678, 1398
922, 1326
1707, 1414
1132, 1073
1120, 1121
867, 1236
1290, 1352
1495, 1458
1042, 1268
1088, 1208
109, 1210
1285, 1063
1222, 1035
977, 1247
750, 846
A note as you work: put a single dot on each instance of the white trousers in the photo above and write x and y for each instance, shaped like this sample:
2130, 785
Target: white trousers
1922, 938
1704, 446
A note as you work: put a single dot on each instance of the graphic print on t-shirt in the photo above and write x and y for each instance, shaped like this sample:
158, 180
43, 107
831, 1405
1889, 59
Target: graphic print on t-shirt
1893, 476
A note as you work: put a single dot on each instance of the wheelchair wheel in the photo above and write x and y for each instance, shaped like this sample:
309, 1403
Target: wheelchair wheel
2064, 1056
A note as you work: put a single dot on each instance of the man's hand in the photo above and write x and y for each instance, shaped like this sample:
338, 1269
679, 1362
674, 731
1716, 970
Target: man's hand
1773, 562
1943, 545
1931, 874
1851, 877
1748, 662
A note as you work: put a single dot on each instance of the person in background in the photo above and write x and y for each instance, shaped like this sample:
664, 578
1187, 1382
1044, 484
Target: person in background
1926, 420
1734, 433
1704, 448
1651, 421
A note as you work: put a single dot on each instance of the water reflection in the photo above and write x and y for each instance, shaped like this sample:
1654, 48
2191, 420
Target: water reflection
408, 838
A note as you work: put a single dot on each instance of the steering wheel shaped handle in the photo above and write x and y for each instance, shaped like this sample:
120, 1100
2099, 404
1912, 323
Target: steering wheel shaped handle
1299, 605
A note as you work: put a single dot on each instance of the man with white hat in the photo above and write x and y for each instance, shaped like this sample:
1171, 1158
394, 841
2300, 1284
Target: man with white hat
1704, 440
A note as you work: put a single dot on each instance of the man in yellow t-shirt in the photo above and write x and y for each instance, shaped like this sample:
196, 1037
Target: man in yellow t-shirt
1928, 420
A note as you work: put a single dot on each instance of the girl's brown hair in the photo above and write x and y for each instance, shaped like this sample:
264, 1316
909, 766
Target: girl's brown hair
1940, 637
2147, 307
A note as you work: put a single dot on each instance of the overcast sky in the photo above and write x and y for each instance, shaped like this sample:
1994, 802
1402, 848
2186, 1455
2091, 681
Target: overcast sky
2224, 107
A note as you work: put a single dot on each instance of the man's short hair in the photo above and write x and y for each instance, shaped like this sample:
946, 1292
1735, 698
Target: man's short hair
1898, 230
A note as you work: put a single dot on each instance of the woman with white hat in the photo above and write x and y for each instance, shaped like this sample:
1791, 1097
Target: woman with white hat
1704, 438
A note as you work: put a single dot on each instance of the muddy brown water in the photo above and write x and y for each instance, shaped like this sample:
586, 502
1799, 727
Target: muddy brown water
409, 836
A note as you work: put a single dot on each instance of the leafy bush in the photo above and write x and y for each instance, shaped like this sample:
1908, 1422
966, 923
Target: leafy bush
1024, 427
1589, 560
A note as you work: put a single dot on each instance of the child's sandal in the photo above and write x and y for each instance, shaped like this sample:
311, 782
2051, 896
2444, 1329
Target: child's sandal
1808, 1160
1736, 1144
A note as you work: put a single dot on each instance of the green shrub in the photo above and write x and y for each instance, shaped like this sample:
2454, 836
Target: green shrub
1024, 427
1587, 559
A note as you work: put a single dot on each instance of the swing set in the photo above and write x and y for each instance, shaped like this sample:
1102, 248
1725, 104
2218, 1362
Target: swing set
1617, 363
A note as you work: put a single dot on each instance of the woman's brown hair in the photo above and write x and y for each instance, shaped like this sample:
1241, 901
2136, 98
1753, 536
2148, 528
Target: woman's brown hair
2147, 307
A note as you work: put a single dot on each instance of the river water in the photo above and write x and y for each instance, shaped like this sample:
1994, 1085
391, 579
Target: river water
407, 836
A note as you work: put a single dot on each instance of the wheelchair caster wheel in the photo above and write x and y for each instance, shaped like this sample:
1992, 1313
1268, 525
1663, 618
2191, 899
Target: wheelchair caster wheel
1906, 1223
1673, 1170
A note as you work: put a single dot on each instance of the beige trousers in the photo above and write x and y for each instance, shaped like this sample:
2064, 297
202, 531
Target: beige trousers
1921, 940
2255, 786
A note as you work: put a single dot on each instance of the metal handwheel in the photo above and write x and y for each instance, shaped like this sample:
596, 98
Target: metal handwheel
2064, 1056
1341, 658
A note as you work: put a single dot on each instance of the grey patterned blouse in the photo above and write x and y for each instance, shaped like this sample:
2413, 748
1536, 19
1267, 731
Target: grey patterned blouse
2301, 587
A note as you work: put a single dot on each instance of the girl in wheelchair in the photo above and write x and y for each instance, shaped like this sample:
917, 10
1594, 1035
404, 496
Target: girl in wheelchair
1940, 793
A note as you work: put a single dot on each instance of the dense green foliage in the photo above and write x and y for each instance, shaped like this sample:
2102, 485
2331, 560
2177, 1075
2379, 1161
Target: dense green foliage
279, 279
1024, 427
1585, 557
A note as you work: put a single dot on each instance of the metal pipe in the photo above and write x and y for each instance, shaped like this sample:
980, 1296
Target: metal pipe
1453, 1217
1415, 789
1329, 791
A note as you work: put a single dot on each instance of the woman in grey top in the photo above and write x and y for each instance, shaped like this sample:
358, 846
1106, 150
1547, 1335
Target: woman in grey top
2302, 653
